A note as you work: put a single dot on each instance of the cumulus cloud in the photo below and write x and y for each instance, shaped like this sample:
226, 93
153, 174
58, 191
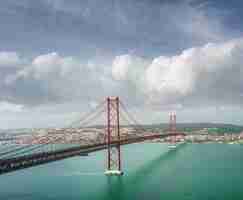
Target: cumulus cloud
203, 76
55, 78
49, 65
209, 74
128, 67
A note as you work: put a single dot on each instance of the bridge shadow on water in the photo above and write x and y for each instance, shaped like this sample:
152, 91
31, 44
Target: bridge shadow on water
121, 187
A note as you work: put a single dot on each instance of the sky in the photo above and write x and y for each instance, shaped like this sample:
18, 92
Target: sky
60, 58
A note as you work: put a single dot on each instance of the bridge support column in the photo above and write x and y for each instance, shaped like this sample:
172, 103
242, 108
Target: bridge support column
113, 135
172, 130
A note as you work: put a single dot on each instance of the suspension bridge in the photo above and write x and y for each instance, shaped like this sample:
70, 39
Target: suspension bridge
51, 147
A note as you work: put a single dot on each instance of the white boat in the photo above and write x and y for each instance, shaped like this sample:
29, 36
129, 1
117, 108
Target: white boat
172, 146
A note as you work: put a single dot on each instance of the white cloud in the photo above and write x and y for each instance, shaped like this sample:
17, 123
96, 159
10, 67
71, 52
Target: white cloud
9, 59
52, 77
205, 76
208, 74
121, 65
126, 67
51, 64
10, 107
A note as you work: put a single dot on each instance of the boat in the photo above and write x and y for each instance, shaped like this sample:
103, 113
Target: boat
172, 146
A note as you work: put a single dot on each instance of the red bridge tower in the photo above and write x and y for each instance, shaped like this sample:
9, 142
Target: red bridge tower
113, 134
172, 124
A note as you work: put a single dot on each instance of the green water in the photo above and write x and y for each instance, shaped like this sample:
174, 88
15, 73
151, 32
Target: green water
193, 171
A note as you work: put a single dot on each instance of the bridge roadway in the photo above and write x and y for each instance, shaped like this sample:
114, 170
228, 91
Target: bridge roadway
25, 161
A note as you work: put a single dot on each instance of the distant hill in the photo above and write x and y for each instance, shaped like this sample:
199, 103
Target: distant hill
199, 125
212, 127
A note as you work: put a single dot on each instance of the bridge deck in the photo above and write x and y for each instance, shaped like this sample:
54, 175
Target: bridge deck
21, 162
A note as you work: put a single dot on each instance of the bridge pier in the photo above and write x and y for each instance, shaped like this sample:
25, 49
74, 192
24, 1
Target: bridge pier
113, 133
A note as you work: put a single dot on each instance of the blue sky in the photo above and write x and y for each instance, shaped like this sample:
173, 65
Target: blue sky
58, 56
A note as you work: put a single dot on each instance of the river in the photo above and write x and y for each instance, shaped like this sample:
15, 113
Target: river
151, 171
